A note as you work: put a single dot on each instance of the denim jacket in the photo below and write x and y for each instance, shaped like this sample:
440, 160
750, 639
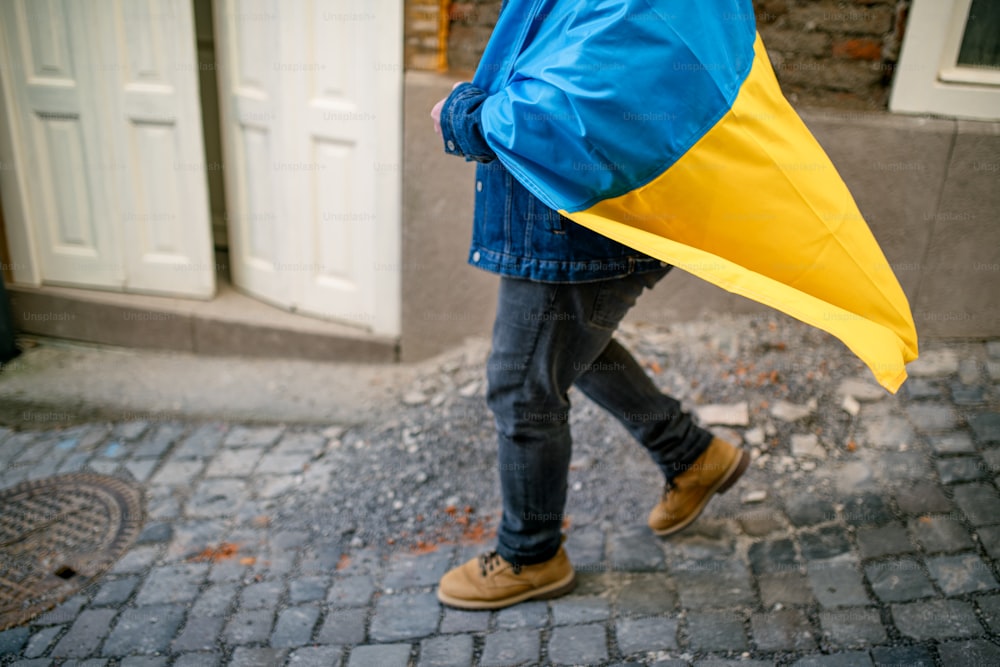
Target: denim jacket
514, 233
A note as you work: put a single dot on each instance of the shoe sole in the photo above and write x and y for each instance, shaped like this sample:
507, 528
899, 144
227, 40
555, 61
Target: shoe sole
725, 482
553, 590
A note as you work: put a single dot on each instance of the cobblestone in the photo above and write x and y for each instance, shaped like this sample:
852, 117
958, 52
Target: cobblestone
931, 417
307, 589
940, 534
578, 644
174, 583
957, 442
232, 463
63, 613
386, 655
262, 595
417, 571
826, 542
986, 427
249, 627
144, 630
528, 615
975, 653
715, 588
805, 509
989, 606
405, 617
343, 626
258, 657
214, 600
252, 436
115, 591
456, 620
883, 541
199, 634
979, 502
217, 498
201, 443
963, 469
910, 656
837, 584
87, 632
316, 656
294, 626
867, 509
37, 645
511, 647
715, 631
784, 588
772, 556
936, 619
934, 363
178, 473
883, 554
851, 628
635, 549
785, 630
639, 635
964, 573
899, 580
351, 591
454, 651
574, 610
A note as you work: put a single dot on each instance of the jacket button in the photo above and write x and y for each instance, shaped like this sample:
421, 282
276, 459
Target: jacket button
475, 256
479, 186
451, 145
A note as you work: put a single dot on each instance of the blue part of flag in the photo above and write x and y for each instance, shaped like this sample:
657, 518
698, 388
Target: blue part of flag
570, 86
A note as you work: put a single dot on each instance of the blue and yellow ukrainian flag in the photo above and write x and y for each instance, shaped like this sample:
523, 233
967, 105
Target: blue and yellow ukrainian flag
660, 124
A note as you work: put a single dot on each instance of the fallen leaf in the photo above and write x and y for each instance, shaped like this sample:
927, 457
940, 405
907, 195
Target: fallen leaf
224, 551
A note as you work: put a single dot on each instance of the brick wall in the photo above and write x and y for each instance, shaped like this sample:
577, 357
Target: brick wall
833, 53
425, 34
829, 53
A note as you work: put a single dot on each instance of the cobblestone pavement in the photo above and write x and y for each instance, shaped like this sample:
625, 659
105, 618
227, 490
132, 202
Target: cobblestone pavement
867, 531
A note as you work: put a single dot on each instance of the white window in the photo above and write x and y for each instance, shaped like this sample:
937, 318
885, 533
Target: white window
950, 60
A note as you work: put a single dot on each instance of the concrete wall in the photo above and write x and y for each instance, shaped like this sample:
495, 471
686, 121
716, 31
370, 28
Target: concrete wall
929, 188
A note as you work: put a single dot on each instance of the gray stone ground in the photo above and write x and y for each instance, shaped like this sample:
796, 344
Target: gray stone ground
867, 531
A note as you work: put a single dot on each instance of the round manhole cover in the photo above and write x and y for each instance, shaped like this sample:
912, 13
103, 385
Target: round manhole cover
59, 534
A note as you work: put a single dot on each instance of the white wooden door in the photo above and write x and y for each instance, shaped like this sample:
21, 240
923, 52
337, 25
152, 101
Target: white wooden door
52, 98
312, 111
104, 128
150, 57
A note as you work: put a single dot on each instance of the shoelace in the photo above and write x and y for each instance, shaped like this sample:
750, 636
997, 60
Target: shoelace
492, 560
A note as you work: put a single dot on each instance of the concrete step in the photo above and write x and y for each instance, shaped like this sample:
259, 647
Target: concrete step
231, 324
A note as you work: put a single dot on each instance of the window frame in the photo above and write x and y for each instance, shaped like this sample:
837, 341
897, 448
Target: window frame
928, 78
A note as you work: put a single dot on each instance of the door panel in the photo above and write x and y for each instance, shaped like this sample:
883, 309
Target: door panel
305, 119
166, 220
103, 104
54, 104
246, 44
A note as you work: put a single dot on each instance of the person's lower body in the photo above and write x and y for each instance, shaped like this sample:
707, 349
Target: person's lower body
547, 338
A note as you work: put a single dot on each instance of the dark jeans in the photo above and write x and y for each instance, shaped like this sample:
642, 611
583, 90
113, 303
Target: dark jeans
546, 338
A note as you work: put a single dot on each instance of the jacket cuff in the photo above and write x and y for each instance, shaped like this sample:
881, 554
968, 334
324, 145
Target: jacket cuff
461, 124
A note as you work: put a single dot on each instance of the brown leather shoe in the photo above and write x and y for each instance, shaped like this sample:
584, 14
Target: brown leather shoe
713, 472
490, 582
